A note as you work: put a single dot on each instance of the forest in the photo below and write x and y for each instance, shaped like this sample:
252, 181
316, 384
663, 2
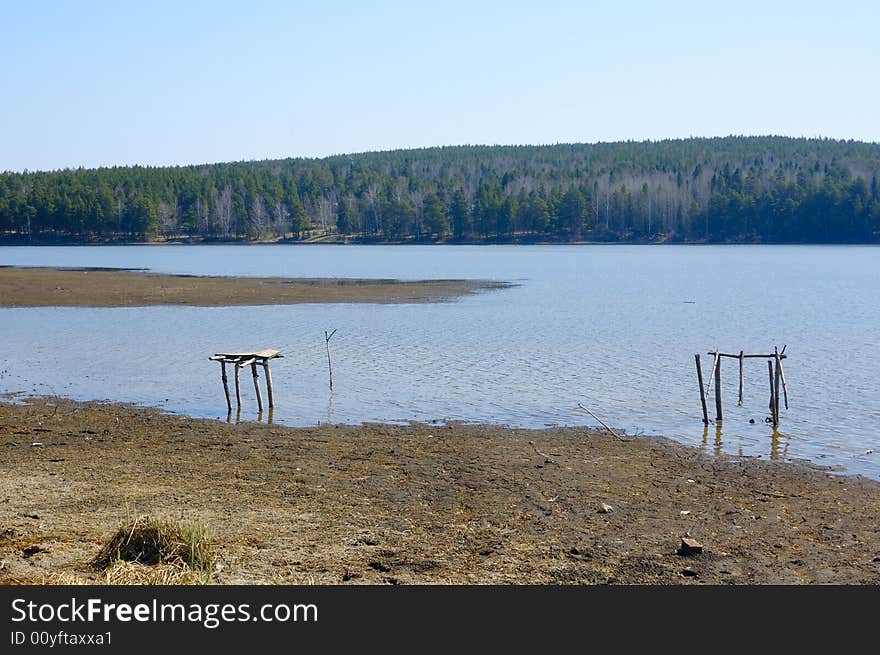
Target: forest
704, 190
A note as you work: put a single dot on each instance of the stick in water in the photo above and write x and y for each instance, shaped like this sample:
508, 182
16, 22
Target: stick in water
327, 338
602, 422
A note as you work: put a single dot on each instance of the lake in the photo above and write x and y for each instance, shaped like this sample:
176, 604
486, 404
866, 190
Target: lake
612, 327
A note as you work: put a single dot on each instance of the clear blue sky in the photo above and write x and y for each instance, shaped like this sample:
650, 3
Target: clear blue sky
112, 83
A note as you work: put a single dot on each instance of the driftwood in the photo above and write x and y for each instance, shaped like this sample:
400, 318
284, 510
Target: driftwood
604, 425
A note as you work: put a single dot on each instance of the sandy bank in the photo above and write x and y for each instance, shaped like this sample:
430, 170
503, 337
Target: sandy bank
58, 287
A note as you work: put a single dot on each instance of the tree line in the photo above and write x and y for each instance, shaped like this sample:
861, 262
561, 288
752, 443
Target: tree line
731, 189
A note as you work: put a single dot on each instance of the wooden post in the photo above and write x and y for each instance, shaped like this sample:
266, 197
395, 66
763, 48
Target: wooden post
702, 392
776, 389
257, 386
740, 378
225, 384
718, 388
782, 376
772, 394
268, 383
237, 386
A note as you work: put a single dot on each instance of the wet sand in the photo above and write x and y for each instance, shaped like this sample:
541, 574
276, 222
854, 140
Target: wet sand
385, 504
79, 287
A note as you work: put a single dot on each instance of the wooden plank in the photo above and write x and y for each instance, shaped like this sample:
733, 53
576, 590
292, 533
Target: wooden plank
702, 391
718, 415
736, 355
260, 354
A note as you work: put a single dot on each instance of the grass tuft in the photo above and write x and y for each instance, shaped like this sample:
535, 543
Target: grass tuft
150, 542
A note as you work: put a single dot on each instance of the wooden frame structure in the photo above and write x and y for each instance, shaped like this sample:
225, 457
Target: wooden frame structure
252, 359
774, 367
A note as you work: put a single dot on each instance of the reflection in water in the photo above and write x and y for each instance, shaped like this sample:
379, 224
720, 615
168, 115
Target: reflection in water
774, 445
270, 417
778, 451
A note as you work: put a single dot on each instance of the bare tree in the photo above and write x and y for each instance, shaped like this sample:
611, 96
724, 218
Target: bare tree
225, 214
325, 213
259, 217
203, 215
417, 198
167, 216
374, 200
280, 218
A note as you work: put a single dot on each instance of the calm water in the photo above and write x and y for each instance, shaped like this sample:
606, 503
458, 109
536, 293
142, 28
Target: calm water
613, 327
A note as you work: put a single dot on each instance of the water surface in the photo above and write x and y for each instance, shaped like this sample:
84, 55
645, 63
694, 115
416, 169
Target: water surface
612, 327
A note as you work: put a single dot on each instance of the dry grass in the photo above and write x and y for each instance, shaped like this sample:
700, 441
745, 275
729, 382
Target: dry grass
155, 551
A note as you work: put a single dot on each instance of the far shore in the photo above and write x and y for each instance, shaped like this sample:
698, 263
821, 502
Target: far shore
420, 504
101, 287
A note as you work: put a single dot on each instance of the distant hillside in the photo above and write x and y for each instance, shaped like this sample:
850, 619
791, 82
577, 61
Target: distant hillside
732, 189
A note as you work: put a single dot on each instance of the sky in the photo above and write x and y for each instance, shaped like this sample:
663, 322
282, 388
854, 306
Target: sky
89, 83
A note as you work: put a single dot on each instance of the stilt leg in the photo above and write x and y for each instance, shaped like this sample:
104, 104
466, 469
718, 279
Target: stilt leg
257, 387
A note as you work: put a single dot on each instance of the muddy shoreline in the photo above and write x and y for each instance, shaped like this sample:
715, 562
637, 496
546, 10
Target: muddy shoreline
101, 287
421, 504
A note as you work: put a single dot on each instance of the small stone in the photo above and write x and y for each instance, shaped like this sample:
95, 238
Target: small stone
689, 547
605, 508
689, 573
685, 512
37, 444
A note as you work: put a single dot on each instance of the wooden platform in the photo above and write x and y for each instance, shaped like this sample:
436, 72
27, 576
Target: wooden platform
268, 353
253, 359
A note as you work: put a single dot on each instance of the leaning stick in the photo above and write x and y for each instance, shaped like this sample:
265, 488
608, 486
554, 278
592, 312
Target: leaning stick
782, 375
712, 372
602, 422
